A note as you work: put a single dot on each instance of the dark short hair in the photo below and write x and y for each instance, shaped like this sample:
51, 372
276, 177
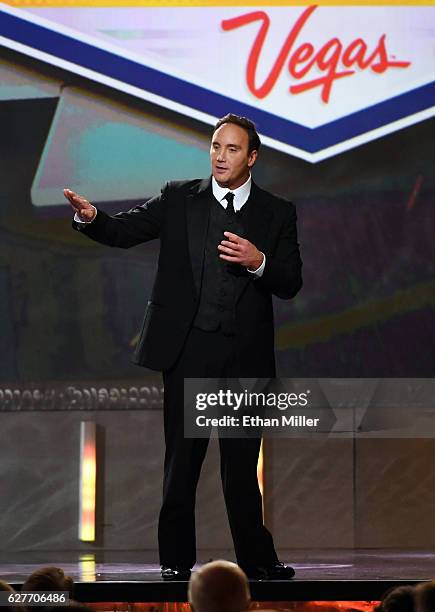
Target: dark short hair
247, 125
48, 579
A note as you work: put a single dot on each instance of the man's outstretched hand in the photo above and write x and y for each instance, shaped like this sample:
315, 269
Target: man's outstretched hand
84, 209
239, 250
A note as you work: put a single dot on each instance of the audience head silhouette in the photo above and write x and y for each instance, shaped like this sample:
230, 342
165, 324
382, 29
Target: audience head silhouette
217, 586
48, 579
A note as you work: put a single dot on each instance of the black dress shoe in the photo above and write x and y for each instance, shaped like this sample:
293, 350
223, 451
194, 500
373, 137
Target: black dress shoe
277, 571
175, 573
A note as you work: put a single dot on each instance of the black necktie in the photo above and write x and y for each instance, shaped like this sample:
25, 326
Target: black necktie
229, 197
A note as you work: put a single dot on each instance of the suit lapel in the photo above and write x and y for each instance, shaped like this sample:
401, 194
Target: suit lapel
257, 220
197, 218
258, 216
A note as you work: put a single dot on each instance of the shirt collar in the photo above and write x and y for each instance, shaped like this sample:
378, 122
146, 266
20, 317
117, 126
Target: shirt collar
241, 194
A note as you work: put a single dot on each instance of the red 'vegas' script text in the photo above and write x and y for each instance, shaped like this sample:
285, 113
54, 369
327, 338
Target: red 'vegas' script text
333, 60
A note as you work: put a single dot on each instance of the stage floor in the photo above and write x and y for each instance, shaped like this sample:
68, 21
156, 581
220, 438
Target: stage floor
350, 575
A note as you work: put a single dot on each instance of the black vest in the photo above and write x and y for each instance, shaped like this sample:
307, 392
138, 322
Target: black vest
220, 279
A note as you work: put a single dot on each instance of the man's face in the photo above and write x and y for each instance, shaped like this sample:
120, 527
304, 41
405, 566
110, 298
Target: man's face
230, 160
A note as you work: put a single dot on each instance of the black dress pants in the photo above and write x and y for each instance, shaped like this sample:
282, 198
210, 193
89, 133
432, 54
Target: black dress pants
209, 355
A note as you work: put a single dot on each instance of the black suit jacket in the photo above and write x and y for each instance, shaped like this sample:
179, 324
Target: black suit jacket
179, 218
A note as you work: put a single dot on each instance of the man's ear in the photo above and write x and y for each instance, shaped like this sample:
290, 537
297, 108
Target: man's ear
252, 158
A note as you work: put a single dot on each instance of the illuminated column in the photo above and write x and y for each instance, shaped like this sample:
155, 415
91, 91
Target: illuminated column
260, 473
88, 480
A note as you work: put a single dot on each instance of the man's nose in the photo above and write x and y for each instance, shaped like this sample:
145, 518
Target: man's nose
220, 156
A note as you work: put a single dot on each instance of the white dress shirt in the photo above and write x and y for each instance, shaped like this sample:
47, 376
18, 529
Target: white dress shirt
241, 195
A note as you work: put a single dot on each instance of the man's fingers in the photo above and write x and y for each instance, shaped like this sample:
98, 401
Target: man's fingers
78, 202
223, 249
70, 195
230, 258
231, 245
232, 237
230, 253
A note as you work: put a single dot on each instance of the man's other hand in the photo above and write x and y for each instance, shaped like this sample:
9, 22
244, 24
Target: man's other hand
84, 209
239, 250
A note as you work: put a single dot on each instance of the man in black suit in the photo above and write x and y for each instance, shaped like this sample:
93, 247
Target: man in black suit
226, 246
